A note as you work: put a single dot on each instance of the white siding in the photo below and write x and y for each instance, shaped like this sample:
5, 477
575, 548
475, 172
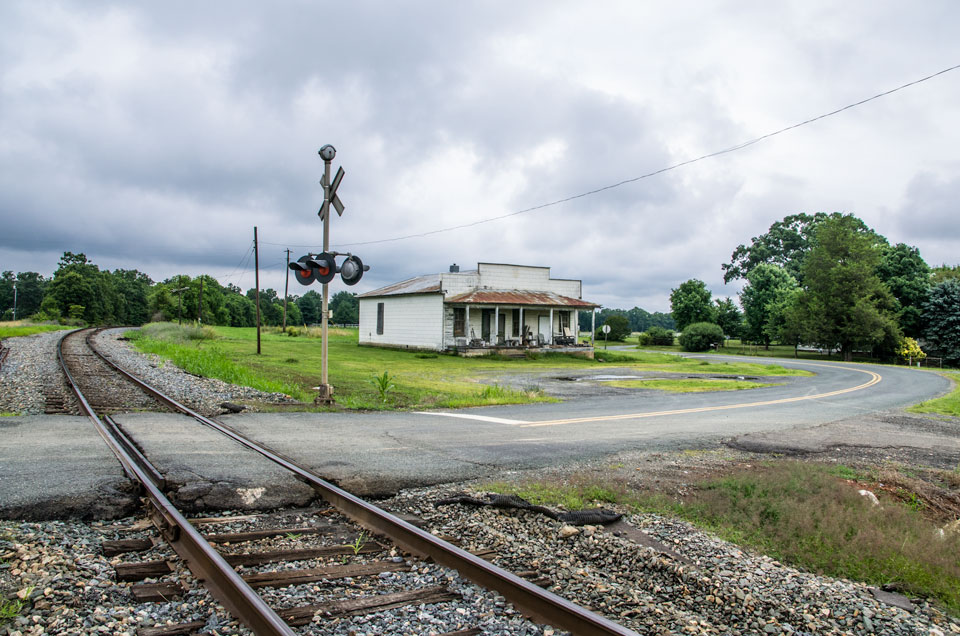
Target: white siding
494, 276
523, 277
455, 283
414, 321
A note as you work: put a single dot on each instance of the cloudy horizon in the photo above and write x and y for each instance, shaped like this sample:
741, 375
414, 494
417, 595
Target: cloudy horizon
155, 137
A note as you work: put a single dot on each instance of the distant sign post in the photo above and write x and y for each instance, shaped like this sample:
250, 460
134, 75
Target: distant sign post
605, 329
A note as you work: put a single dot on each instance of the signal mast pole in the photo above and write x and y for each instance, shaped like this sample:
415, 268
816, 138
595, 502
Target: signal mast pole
325, 396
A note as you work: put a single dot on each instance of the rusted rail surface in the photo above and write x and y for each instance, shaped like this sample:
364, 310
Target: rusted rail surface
534, 601
203, 560
3, 353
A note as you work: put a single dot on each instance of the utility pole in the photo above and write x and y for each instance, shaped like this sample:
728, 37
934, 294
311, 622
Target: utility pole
180, 299
200, 303
256, 267
14, 300
179, 292
286, 292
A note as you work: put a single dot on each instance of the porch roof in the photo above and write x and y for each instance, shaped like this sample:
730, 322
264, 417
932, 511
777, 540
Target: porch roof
519, 297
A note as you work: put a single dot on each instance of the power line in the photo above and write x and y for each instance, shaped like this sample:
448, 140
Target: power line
687, 162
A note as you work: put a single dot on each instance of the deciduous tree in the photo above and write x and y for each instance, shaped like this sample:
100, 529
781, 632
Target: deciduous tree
691, 302
907, 276
785, 244
767, 287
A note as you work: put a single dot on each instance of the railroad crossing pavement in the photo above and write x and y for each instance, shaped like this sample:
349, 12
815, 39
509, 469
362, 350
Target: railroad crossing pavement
52, 467
57, 466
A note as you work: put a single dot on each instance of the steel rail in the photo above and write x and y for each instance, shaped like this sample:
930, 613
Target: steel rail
204, 561
531, 599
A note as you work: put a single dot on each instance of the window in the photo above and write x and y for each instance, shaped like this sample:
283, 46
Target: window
379, 319
459, 322
516, 323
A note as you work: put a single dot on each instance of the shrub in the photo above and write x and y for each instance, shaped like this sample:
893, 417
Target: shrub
657, 336
700, 336
910, 351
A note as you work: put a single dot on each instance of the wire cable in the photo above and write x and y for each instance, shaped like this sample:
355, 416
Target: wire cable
681, 164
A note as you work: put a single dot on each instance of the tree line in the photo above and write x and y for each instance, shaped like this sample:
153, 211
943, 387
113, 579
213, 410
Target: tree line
830, 281
80, 293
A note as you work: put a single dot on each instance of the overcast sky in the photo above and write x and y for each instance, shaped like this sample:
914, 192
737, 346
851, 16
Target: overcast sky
155, 136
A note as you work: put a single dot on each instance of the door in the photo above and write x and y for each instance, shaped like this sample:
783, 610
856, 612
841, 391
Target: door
486, 317
543, 327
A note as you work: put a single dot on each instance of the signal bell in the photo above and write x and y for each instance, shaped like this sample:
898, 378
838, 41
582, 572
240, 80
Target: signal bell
352, 269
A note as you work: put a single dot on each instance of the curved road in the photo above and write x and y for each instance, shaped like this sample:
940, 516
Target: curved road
853, 407
373, 451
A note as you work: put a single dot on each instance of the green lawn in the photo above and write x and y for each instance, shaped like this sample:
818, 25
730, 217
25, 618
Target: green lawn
13, 329
291, 364
691, 385
948, 404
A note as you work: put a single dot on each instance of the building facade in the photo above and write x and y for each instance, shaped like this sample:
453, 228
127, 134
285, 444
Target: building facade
495, 305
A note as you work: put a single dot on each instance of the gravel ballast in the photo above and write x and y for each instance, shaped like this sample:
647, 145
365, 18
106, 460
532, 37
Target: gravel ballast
701, 585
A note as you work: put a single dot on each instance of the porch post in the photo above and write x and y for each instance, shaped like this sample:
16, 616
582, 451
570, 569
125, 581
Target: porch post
496, 325
522, 329
551, 325
593, 327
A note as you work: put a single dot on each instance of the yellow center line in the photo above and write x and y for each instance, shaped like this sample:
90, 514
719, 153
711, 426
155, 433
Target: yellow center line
874, 378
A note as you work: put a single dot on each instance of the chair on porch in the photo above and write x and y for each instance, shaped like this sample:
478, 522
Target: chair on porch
474, 341
566, 337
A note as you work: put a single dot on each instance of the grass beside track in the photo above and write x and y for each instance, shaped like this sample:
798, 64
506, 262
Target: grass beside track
414, 379
806, 515
17, 328
948, 404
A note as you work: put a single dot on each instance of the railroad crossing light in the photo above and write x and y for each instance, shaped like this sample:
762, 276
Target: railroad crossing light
324, 267
305, 273
352, 269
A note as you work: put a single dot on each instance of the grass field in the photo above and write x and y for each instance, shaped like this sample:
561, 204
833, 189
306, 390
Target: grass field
690, 385
291, 364
16, 328
948, 404
802, 514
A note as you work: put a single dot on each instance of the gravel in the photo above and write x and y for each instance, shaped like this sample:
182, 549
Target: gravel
698, 585
32, 362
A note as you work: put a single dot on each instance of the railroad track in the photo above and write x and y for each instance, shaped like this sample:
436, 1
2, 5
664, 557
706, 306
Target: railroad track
349, 538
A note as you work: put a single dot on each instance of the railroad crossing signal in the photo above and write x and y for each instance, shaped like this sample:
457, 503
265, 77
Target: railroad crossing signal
332, 198
323, 268
352, 270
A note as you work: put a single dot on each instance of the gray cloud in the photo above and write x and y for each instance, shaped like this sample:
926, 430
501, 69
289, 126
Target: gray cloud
157, 136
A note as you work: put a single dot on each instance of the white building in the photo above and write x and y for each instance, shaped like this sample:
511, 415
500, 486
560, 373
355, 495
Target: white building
494, 305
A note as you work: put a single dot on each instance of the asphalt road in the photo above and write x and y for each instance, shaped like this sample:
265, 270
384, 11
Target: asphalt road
378, 453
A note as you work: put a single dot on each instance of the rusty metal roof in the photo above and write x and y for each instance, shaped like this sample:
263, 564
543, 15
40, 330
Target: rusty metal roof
429, 284
518, 297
